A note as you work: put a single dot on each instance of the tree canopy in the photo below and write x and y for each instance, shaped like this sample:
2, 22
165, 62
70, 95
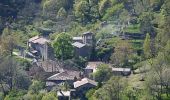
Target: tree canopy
63, 46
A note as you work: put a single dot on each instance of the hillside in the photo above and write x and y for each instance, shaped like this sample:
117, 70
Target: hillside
42, 39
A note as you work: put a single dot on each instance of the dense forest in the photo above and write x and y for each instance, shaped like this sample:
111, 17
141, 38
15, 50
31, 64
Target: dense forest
131, 34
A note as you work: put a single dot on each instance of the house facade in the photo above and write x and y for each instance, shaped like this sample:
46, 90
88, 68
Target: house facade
92, 67
81, 50
40, 47
83, 44
68, 76
83, 86
88, 38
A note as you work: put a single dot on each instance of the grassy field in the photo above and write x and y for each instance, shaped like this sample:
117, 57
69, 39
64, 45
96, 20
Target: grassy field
137, 44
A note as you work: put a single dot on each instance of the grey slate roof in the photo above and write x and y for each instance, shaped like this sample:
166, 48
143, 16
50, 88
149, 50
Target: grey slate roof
78, 44
65, 75
39, 40
93, 65
49, 66
83, 82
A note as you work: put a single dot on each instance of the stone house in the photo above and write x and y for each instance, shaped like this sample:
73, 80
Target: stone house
92, 67
68, 76
50, 66
81, 49
83, 44
86, 38
40, 47
83, 86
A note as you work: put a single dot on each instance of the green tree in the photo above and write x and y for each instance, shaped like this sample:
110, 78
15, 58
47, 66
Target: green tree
163, 26
89, 94
113, 11
82, 9
51, 6
12, 74
8, 41
62, 13
111, 90
22, 80
103, 73
147, 46
30, 96
36, 87
103, 5
158, 79
146, 25
63, 46
167, 52
122, 53
15, 95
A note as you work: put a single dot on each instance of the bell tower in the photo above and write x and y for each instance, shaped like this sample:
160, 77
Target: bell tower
87, 38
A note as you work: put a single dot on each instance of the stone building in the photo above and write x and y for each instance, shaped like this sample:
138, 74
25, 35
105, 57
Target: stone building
83, 86
40, 47
81, 49
69, 76
92, 67
83, 44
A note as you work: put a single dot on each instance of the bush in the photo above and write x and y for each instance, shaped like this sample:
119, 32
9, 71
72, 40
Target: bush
36, 86
80, 61
89, 94
50, 96
33, 96
25, 63
15, 95
103, 73
1, 96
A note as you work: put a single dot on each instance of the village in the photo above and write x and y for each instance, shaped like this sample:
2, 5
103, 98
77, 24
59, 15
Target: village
78, 81
84, 50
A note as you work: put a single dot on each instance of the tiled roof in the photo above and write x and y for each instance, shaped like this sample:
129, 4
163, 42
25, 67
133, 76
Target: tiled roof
56, 66
66, 75
78, 44
49, 66
83, 82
